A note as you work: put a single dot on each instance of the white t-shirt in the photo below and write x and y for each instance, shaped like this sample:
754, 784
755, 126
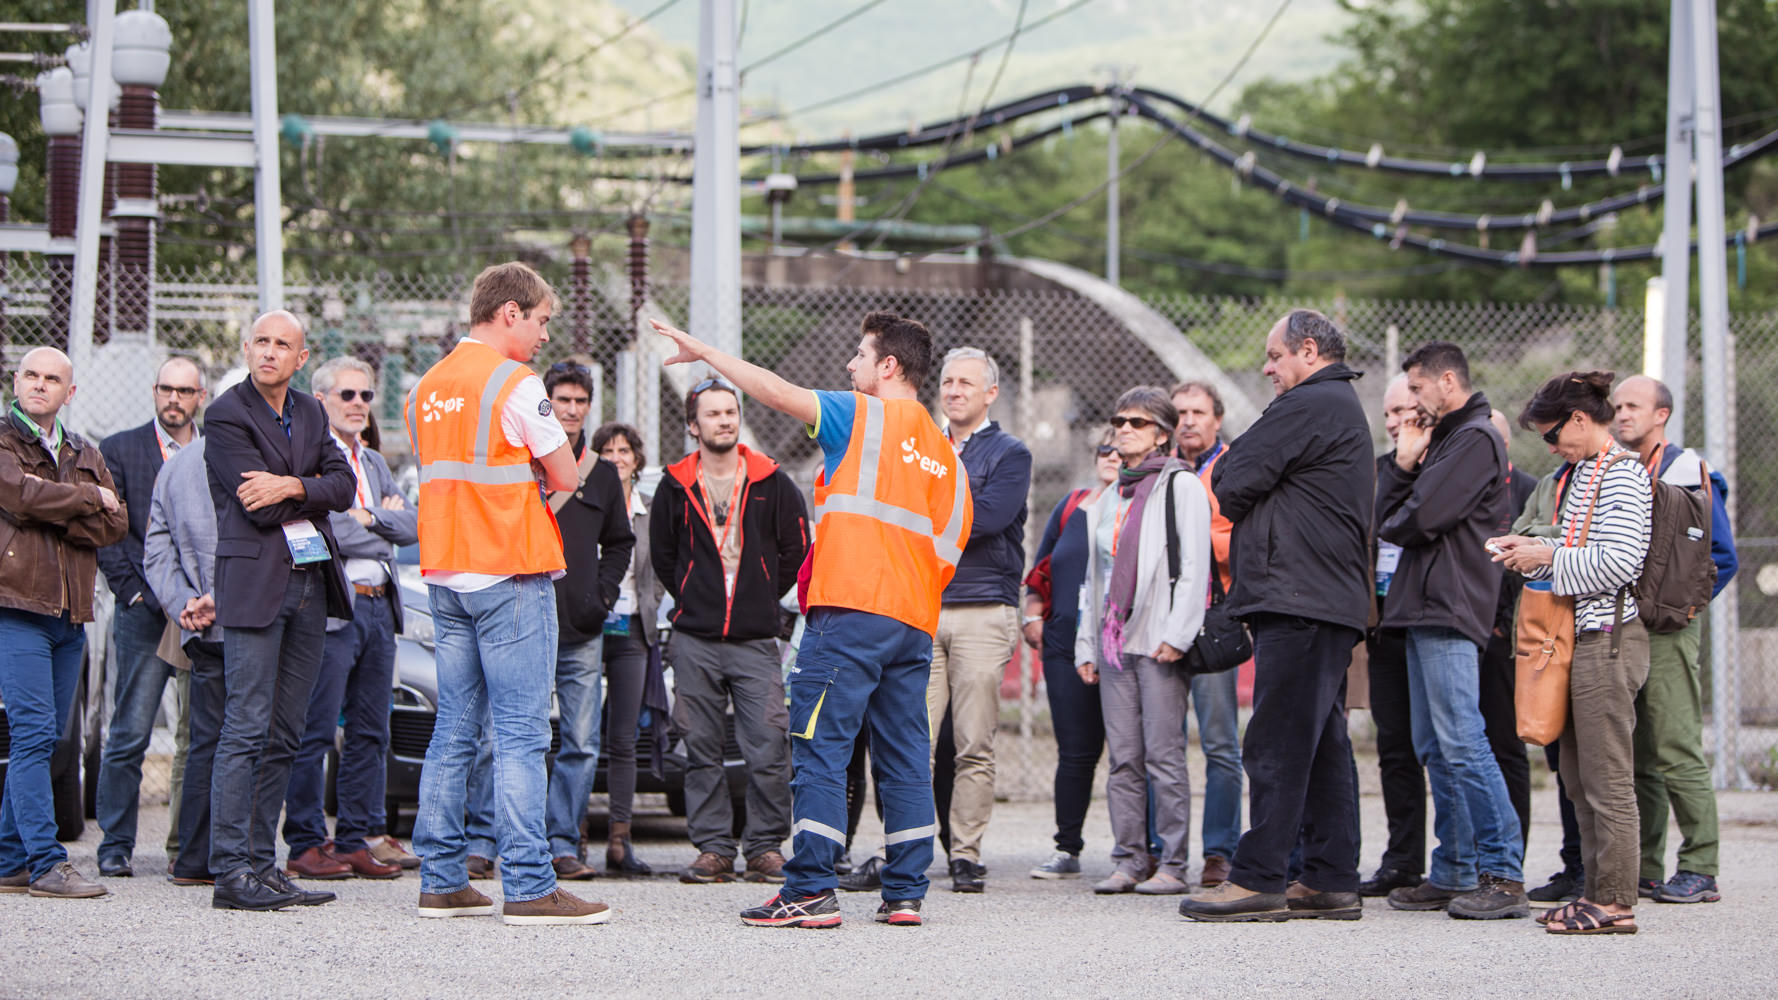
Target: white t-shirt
528, 423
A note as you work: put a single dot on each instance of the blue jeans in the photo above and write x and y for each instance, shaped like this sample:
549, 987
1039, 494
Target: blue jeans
579, 691
356, 681
136, 697
39, 668
1215, 704
269, 674
496, 650
855, 668
1473, 817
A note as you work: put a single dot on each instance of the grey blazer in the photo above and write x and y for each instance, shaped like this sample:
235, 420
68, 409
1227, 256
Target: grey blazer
388, 529
648, 589
179, 549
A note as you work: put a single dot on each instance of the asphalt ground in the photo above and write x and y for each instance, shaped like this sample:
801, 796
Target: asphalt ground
1021, 938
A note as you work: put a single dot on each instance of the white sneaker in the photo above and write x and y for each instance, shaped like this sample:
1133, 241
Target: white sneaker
1060, 865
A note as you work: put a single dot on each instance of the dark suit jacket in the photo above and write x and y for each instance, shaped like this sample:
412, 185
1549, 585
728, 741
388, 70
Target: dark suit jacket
134, 458
252, 559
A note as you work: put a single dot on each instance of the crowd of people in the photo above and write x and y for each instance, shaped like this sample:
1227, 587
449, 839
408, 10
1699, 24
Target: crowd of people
253, 565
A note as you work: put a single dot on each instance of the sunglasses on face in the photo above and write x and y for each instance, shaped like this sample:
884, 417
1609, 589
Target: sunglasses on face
1105, 450
347, 395
1555, 432
182, 391
1140, 423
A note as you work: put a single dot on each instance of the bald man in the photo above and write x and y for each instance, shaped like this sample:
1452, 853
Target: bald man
275, 476
1672, 774
58, 505
135, 457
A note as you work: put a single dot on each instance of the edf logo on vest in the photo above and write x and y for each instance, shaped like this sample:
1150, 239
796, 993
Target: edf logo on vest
928, 465
434, 408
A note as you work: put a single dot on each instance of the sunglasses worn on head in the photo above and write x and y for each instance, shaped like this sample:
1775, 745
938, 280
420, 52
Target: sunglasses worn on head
347, 395
569, 366
1140, 423
183, 391
712, 383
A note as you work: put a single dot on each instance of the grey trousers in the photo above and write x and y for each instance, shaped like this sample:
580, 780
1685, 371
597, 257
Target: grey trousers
1144, 708
707, 674
1598, 759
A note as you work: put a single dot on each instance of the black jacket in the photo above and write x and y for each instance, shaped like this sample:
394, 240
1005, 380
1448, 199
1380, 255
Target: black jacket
993, 563
1441, 514
252, 558
1298, 488
774, 538
597, 542
134, 458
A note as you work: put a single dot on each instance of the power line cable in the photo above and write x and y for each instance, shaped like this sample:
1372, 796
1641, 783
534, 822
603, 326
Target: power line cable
811, 36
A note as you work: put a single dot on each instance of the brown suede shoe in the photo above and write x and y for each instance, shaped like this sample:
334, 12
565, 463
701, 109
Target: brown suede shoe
317, 863
709, 868
1305, 903
766, 866
64, 882
1216, 871
559, 907
390, 851
465, 902
573, 869
480, 868
364, 865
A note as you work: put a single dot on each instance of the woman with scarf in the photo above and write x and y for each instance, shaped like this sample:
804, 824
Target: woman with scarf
1136, 622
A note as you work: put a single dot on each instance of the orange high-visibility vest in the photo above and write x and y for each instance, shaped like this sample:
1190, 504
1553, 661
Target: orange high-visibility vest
481, 510
892, 523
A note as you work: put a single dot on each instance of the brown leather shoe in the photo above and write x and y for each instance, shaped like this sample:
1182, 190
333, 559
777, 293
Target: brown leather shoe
19, 881
364, 865
465, 902
390, 851
480, 868
559, 907
573, 869
766, 866
709, 868
65, 882
317, 863
1216, 871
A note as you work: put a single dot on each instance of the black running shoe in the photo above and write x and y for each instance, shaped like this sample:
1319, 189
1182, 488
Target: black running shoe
899, 913
819, 910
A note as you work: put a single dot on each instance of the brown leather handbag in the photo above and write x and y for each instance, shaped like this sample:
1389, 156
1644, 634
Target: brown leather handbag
1545, 646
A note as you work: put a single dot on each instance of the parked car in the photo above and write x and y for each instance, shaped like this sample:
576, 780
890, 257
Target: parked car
414, 711
71, 797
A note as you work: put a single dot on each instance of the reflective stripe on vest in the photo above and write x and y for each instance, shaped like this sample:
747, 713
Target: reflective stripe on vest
948, 545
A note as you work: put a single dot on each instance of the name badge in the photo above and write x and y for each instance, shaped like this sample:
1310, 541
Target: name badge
616, 623
1388, 558
306, 543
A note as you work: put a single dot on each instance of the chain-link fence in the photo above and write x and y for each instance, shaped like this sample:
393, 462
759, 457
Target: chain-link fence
1064, 357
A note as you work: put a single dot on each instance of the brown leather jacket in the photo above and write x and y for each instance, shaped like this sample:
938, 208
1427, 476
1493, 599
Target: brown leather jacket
51, 526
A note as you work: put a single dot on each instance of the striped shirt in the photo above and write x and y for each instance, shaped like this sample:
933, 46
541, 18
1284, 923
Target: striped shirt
1616, 542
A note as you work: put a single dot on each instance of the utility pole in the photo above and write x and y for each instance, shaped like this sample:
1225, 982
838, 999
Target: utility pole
268, 211
1113, 227
1719, 388
1676, 231
102, 21
716, 184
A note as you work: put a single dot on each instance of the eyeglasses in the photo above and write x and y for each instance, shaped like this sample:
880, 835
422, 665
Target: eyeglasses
1105, 450
1554, 433
1140, 423
182, 391
347, 395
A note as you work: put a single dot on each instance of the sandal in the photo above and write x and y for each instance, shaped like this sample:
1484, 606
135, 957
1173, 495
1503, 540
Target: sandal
1590, 919
1557, 914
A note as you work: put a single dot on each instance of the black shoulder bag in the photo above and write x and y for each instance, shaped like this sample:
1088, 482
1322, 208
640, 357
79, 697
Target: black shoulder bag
1222, 643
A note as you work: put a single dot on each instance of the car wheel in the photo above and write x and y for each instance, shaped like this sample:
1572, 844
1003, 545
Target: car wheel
676, 802
399, 826
738, 809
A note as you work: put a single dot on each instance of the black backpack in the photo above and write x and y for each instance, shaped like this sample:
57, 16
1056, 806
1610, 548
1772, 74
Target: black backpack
1678, 575
1222, 642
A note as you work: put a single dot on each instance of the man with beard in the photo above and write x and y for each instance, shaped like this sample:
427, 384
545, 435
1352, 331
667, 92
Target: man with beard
135, 457
728, 532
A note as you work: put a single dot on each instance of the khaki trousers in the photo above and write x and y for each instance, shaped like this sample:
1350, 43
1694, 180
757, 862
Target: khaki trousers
1598, 758
969, 656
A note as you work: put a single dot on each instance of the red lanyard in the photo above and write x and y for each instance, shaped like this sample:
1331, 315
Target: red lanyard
1598, 465
1117, 529
734, 512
